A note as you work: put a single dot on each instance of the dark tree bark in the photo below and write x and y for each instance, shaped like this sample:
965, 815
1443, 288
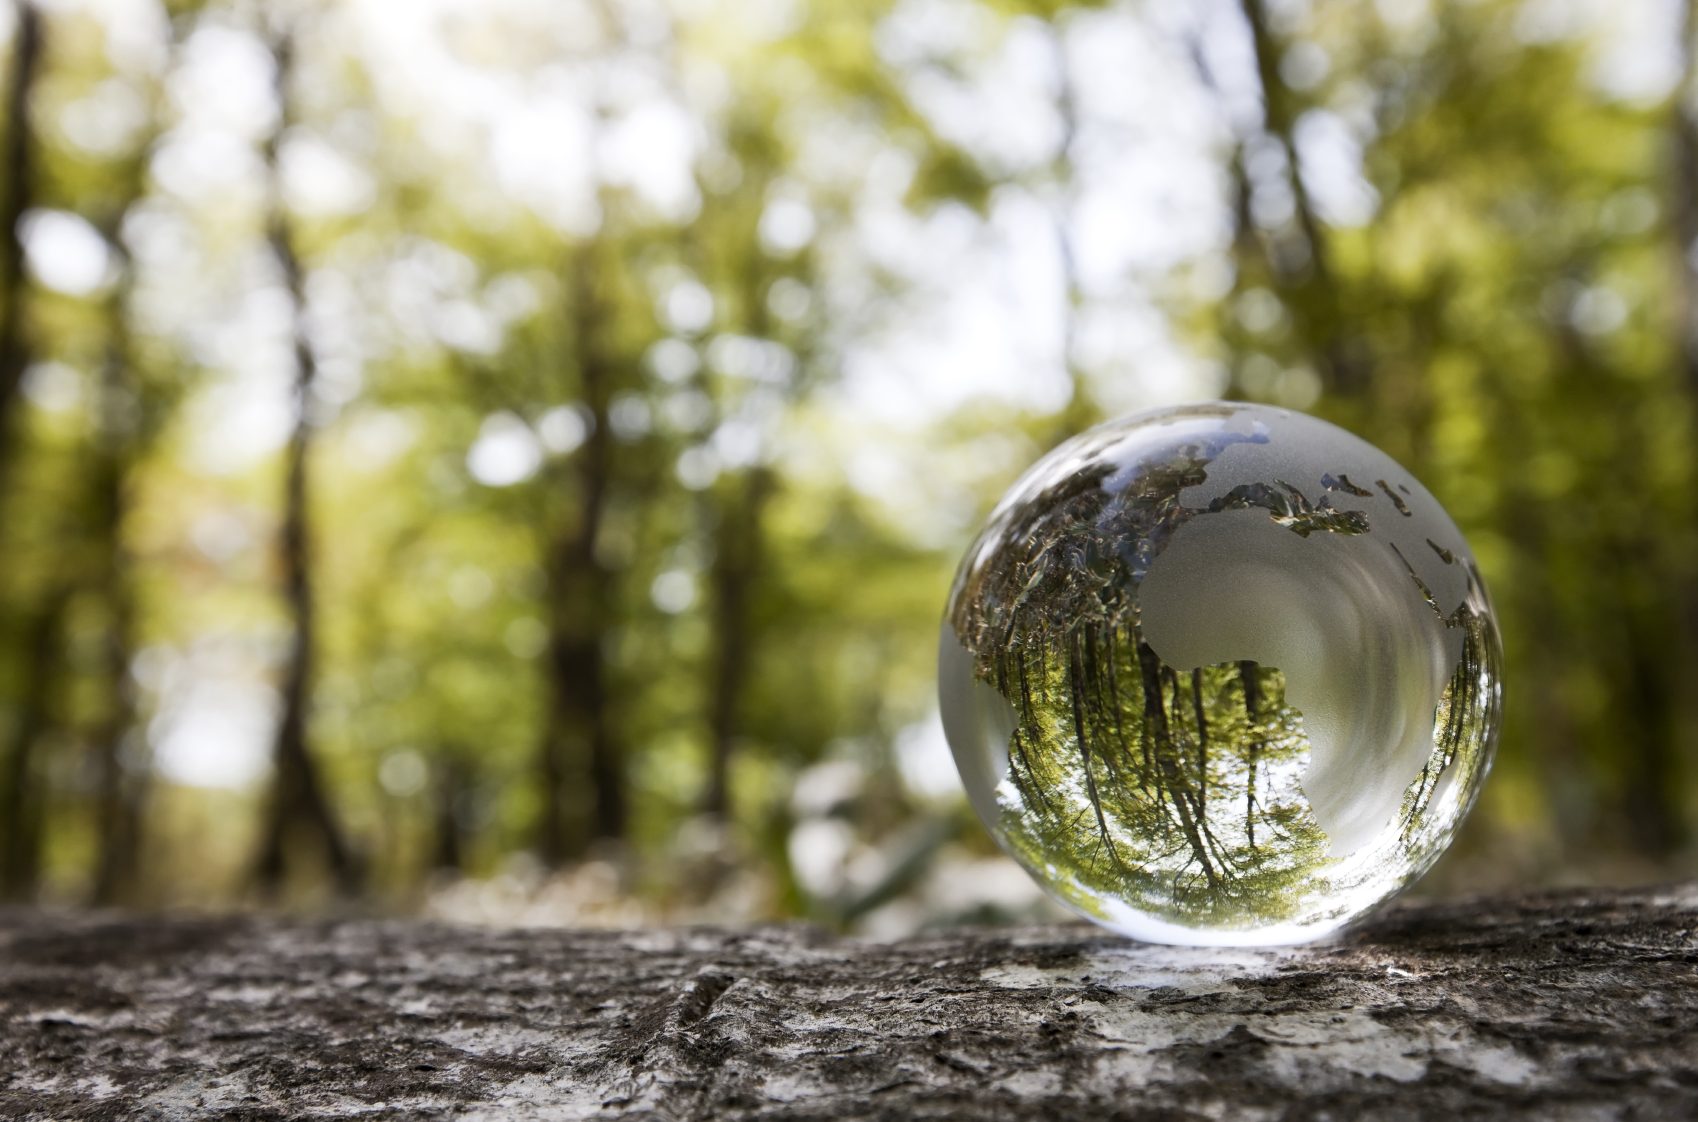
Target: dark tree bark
736, 512
19, 195
1653, 800
38, 628
1683, 198
1656, 807
737, 561
297, 806
23, 790
120, 783
580, 739
1081, 410
1575, 1006
123, 431
1280, 119
451, 782
1299, 264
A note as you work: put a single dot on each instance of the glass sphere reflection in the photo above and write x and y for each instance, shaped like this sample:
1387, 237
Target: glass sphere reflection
1220, 674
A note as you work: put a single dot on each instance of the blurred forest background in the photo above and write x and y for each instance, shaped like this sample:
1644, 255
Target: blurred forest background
506, 458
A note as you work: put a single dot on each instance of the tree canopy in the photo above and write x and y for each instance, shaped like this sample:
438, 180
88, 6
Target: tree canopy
473, 454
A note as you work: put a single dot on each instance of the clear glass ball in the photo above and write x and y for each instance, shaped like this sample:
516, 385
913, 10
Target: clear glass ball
1220, 675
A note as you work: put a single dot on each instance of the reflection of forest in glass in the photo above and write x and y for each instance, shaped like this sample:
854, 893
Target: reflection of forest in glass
1181, 796
1463, 730
1180, 791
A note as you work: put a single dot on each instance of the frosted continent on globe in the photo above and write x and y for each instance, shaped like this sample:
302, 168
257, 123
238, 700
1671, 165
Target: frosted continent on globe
1220, 674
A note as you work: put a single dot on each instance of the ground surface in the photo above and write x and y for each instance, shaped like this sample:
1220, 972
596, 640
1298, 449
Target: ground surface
1549, 1007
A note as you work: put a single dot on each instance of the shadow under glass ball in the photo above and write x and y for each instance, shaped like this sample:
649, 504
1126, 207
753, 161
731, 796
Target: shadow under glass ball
1221, 674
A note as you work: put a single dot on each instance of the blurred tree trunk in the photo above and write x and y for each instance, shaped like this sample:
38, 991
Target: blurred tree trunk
120, 783
739, 548
1298, 263
38, 629
297, 801
580, 734
122, 771
1656, 803
739, 532
18, 197
1683, 198
451, 778
23, 812
1081, 411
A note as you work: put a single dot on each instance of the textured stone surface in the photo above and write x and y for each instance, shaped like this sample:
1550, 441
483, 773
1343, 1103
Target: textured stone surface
1559, 1006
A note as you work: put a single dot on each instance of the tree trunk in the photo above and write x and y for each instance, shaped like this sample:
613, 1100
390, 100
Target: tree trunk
122, 774
1575, 1006
298, 804
1683, 197
23, 793
1081, 410
18, 197
736, 569
1662, 785
120, 783
580, 740
451, 781
38, 628
1304, 275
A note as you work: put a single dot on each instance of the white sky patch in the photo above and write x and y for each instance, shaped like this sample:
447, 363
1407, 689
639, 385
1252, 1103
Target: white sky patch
787, 225
246, 409
652, 150
320, 181
506, 452
1331, 158
202, 166
106, 121
66, 253
224, 81
1004, 111
1637, 42
925, 762
984, 321
421, 280
674, 591
818, 849
540, 150
216, 732
1640, 56
564, 429
239, 420
1146, 160
688, 307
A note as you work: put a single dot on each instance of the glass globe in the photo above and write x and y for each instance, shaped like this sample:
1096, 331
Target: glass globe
1221, 675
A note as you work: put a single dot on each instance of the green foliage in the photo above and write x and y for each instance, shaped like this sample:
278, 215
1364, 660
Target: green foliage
676, 584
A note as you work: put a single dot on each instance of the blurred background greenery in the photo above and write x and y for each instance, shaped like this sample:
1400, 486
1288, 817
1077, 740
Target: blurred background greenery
505, 458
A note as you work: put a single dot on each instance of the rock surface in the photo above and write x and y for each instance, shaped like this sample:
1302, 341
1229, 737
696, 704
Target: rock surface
1581, 1005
